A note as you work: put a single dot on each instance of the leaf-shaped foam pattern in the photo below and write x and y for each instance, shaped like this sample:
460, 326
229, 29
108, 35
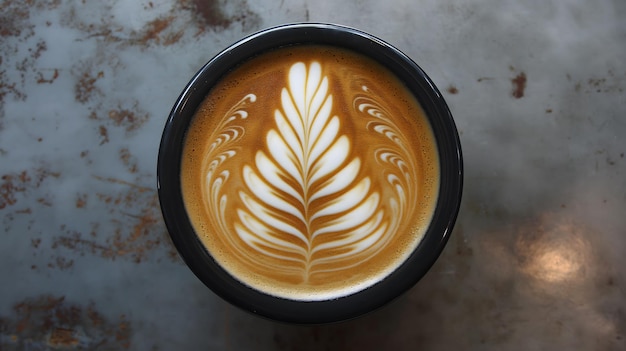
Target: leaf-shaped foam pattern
398, 158
308, 202
227, 134
225, 137
304, 196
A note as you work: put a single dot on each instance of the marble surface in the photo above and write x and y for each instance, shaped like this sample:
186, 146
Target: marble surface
536, 261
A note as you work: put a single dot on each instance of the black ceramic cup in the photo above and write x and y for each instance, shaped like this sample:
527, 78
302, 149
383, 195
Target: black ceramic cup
396, 283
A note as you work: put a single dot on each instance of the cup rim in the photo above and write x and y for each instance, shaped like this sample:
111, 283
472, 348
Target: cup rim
196, 256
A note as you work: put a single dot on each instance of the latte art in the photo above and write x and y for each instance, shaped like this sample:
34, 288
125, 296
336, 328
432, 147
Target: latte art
305, 205
310, 183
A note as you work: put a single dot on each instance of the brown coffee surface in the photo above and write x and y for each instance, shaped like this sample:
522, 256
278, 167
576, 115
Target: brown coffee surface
310, 172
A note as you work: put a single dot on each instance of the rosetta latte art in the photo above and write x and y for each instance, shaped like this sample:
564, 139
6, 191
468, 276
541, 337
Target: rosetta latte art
307, 206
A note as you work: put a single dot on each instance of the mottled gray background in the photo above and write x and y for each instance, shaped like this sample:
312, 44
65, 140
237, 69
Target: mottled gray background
536, 261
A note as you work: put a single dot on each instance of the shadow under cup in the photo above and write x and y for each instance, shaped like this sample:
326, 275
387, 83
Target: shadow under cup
401, 279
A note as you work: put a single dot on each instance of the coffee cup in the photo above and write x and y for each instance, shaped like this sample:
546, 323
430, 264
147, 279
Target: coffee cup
310, 173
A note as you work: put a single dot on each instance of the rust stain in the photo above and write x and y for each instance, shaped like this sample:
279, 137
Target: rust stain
453, 90
25, 64
104, 134
119, 116
7, 88
81, 200
84, 155
45, 201
62, 337
127, 118
15, 19
74, 241
35, 243
578, 87
173, 38
129, 160
17, 34
13, 16
160, 31
108, 32
14, 184
210, 14
122, 182
85, 87
51, 322
519, 85
130, 119
155, 31
155, 27
42, 80
135, 229
612, 84
596, 82
40, 47
94, 317
61, 263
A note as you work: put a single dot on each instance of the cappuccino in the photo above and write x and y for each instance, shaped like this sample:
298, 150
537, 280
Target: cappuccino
310, 172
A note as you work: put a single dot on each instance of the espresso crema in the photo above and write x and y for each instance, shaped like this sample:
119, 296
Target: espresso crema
310, 172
